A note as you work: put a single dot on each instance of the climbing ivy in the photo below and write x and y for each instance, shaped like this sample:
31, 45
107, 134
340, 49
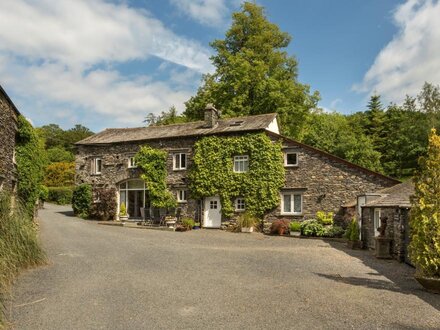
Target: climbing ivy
31, 160
153, 164
212, 172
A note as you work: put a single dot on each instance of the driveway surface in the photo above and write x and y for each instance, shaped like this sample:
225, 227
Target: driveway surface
104, 277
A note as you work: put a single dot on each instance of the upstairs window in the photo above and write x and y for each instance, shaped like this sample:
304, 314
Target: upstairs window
179, 161
131, 162
291, 203
96, 165
181, 196
241, 164
240, 205
290, 159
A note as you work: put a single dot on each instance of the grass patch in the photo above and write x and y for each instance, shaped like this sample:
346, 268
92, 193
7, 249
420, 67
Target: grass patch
19, 246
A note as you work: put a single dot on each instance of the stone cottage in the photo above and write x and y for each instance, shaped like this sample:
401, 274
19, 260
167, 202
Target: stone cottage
314, 180
8, 124
394, 204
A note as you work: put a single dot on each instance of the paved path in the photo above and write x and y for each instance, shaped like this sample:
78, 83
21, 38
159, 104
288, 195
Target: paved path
103, 277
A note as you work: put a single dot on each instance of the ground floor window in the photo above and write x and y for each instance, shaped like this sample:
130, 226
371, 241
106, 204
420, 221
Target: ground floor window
240, 204
376, 221
181, 195
134, 195
291, 203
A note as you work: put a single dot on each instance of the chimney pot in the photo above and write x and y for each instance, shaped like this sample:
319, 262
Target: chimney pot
211, 116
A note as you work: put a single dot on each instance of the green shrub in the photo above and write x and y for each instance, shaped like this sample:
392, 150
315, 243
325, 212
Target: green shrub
334, 231
44, 193
295, 226
60, 195
324, 218
424, 248
123, 210
246, 220
82, 200
188, 223
106, 204
312, 228
352, 232
19, 246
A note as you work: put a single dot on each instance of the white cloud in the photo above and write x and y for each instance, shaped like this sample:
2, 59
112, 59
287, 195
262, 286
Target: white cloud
206, 12
412, 57
61, 53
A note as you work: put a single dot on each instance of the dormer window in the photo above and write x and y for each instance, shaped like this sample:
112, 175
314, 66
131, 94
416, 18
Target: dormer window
179, 161
290, 159
131, 162
241, 164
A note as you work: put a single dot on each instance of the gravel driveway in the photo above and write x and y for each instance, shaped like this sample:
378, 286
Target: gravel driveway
104, 277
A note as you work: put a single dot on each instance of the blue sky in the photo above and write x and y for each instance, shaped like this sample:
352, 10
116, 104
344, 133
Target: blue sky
107, 64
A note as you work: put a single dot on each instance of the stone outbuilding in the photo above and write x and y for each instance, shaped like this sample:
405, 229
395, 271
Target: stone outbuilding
314, 180
8, 124
394, 204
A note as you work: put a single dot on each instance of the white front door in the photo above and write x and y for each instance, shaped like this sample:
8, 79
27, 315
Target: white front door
212, 213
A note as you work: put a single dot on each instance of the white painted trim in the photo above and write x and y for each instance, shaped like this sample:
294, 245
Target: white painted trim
241, 158
236, 203
291, 193
376, 225
180, 168
285, 158
273, 126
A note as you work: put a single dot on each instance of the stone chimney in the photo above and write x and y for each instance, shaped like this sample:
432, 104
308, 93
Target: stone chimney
211, 116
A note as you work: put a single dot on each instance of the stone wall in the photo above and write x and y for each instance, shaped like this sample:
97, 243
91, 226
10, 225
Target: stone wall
325, 182
8, 124
395, 229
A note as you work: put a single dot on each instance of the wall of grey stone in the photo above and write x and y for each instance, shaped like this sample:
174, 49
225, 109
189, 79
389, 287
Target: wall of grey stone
115, 165
326, 183
395, 229
8, 124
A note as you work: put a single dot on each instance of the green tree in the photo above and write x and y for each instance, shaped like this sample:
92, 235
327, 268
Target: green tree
52, 134
254, 74
165, 118
334, 133
75, 134
59, 154
374, 121
425, 212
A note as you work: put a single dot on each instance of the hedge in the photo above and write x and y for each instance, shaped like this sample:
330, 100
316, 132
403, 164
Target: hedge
60, 195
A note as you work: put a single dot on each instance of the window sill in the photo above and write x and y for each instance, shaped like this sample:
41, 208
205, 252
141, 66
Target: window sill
291, 214
240, 211
182, 202
179, 169
285, 165
95, 174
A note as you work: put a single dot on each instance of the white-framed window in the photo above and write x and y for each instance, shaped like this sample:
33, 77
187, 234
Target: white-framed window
376, 221
291, 203
240, 204
290, 159
179, 161
131, 162
241, 164
96, 166
182, 195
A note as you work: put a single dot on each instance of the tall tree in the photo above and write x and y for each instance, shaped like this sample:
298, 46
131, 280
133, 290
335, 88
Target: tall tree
374, 121
170, 116
254, 74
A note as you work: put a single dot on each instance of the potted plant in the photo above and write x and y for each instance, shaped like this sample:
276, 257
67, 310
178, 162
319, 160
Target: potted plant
196, 225
123, 215
246, 222
188, 223
295, 228
352, 234
424, 249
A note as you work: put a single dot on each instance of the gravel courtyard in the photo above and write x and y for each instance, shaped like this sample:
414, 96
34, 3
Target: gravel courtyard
104, 277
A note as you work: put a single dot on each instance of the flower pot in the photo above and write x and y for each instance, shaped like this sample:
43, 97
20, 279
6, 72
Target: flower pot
431, 284
247, 229
295, 233
354, 245
196, 227
123, 218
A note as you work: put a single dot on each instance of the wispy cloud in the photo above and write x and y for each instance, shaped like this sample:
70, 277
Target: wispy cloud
412, 57
64, 52
206, 12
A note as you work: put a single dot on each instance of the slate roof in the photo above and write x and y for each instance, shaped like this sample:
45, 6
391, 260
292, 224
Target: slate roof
9, 100
395, 196
229, 125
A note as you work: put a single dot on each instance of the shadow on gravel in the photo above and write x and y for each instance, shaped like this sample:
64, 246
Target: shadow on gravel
67, 213
400, 275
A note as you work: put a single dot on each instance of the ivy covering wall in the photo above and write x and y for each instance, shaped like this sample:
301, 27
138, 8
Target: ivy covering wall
30, 157
212, 172
153, 164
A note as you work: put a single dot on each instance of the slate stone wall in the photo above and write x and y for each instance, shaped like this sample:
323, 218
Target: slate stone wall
395, 229
325, 182
8, 124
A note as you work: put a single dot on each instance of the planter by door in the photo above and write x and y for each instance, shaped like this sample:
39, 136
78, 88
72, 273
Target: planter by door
247, 229
212, 212
429, 283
